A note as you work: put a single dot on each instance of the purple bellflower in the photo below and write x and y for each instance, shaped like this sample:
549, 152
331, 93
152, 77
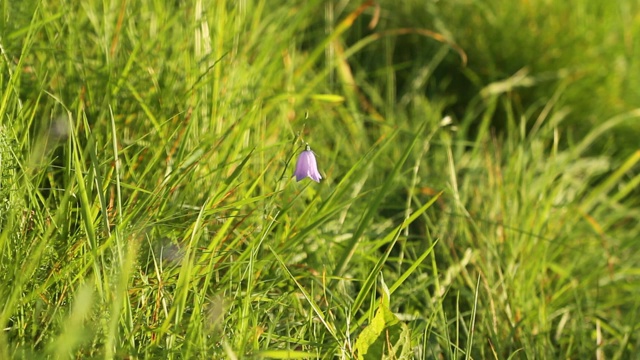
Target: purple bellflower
307, 166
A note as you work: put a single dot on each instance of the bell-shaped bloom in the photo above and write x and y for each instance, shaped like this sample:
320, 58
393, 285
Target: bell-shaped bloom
307, 166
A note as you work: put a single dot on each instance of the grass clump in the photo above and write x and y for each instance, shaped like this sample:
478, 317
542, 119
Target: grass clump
149, 209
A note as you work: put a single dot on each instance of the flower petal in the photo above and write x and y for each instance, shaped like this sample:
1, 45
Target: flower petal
307, 166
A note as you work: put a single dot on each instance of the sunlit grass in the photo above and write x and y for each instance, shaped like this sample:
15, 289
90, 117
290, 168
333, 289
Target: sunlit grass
149, 209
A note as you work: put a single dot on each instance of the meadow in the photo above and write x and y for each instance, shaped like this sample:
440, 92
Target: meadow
479, 195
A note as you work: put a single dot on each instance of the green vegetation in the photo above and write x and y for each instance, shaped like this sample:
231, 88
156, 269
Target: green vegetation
479, 195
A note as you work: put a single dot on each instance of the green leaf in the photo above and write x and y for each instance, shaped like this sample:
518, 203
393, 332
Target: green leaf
285, 354
385, 337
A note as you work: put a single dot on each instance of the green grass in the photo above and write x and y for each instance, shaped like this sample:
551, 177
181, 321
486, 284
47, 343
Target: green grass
148, 209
